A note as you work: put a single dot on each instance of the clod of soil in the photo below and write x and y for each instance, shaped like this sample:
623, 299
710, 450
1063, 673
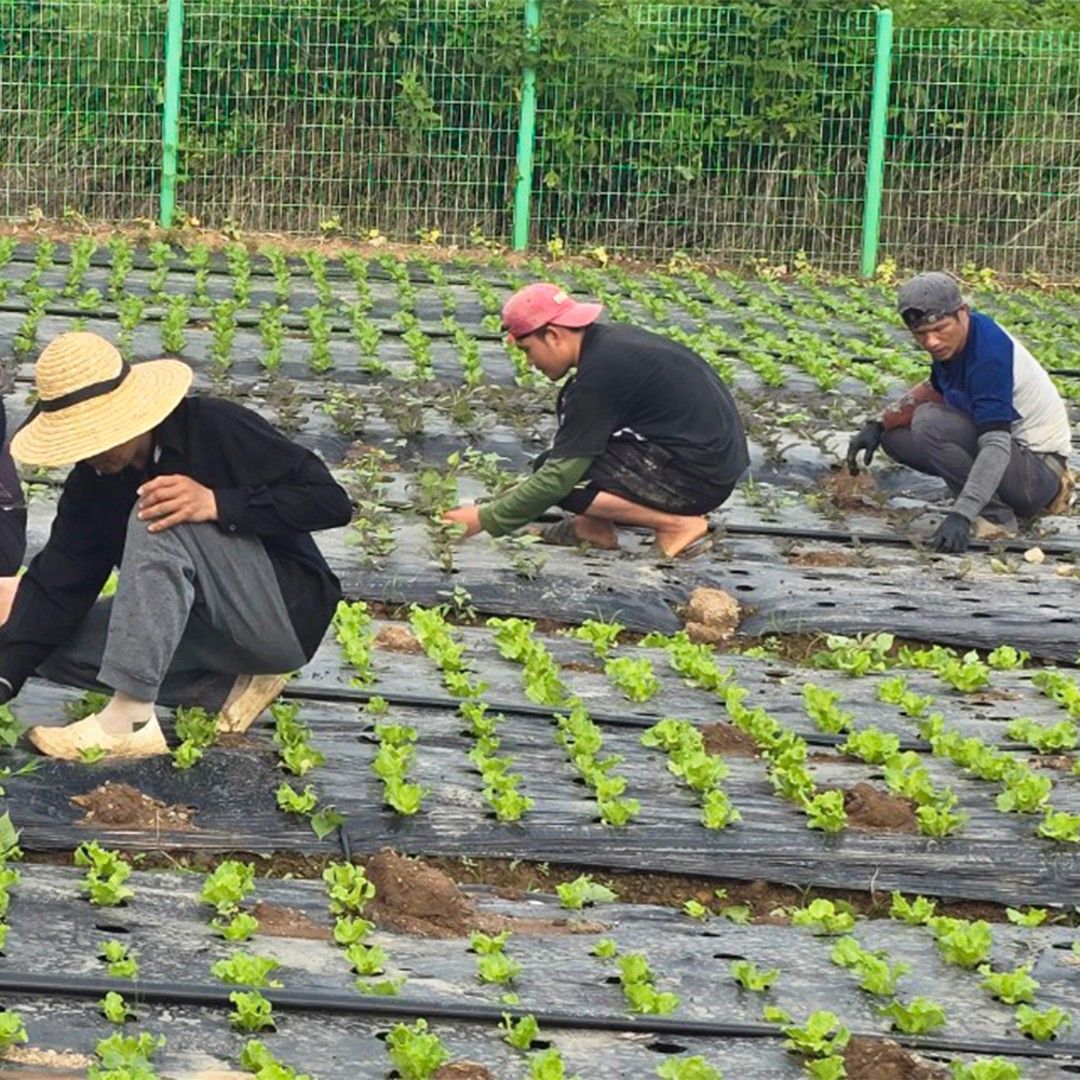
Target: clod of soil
823, 557
883, 1059
728, 739
1062, 762
463, 1070
124, 807
413, 897
847, 492
869, 808
711, 616
398, 639
288, 922
582, 665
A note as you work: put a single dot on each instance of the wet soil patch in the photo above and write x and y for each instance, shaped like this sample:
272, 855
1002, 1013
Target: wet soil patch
398, 639
120, 806
883, 1059
728, 739
289, 923
868, 807
414, 897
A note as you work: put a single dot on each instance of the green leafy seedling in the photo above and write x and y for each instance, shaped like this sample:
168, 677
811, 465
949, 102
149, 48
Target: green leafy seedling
115, 1009
416, 1053
583, 892
750, 977
252, 1012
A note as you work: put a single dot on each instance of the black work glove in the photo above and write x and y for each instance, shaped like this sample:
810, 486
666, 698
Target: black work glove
867, 440
6, 693
952, 535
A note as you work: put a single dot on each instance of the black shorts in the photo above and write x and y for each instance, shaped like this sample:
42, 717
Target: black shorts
644, 473
12, 517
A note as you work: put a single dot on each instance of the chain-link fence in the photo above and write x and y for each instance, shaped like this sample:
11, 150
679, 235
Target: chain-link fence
729, 131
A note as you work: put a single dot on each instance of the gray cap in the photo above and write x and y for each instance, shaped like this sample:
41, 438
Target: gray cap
928, 297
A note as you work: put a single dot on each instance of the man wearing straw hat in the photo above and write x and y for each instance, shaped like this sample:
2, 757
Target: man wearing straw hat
210, 511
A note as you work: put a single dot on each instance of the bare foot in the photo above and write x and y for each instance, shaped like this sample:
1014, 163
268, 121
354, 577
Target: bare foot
596, 531
680, 537
8, 588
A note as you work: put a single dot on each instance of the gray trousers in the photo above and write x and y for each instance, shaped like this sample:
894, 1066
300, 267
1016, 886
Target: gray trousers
195, 608
942, 441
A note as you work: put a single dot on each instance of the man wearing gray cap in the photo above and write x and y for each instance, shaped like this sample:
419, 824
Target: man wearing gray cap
988, 421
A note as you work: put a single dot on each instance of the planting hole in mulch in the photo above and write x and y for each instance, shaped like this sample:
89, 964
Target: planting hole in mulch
123, 807
288, 922
414, 898
399, 639
883, 1059
869, 808
463, 1070
847, 492
728, 739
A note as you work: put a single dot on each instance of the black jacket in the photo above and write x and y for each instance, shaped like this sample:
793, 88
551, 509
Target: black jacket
264, 484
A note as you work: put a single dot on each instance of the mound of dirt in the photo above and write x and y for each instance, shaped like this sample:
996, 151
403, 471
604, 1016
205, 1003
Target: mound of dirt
413, 897
711, 616
398, 639
883, 1059
847, 492
288, 922
831, 556
867, 807
728, 739
123, 807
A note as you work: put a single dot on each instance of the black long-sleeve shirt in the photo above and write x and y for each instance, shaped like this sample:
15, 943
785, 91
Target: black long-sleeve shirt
264, 484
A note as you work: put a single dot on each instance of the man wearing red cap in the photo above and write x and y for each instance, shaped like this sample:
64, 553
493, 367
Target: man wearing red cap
648, 434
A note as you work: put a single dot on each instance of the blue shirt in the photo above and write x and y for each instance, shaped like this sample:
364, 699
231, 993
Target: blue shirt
979, 380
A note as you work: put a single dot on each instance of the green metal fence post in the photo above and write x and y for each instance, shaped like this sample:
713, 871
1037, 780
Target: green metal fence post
170, 125
875, 161
526, 135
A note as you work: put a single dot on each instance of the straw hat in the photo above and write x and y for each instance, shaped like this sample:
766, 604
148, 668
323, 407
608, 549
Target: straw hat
90, 400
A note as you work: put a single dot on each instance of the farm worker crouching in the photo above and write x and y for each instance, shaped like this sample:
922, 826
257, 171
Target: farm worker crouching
648, 435
12, 523
209, 510
988, 421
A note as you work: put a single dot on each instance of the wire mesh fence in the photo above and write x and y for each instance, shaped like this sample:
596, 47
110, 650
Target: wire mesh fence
80, 100
728, 131
983, 150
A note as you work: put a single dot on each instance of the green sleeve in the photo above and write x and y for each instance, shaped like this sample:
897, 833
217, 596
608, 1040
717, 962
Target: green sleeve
526, 502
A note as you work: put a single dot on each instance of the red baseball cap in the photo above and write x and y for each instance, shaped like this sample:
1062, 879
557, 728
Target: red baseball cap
544, 304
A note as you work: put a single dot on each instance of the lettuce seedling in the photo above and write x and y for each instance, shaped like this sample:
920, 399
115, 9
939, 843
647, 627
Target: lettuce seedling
484, 944
349, 929
520, 1033
348, 888
602, 636
416, 1054
239, 928
821, 1036
1042, 1026
1031, 917
1012, 987
497, 967
750, 977
403, 797
717, 811
1025, 793
583, 892
966, 944
548, 1065
115, 1009
297, 802
366, 959
1060, 825
634, 677
918, 1017
256, 1058
253, 1011
245, 969
825, 811
121, 960
618, 812
826, 1068
825, 916
325, 821
985, 1069
125, 1056
696, 910
91, 755
227, 885
1007, 658
939, 821
822, 706
12, 1029
871, 744
688, 1068
605, 948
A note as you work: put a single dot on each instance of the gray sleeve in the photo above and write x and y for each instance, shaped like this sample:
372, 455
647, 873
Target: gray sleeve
995, 450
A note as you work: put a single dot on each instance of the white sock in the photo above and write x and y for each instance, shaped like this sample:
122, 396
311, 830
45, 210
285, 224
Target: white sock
122, 713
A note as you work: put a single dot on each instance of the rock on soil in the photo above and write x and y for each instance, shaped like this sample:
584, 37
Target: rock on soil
883, 1059
869, 808
728, 739
123, 807
711, 616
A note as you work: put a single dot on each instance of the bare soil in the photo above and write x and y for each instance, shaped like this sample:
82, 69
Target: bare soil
831, 556
728, 739
868, 807
1062, 762
711, 616
883, 1059
60, 1065
847, 492
398, 639
288, 922
123, 807
414, 897
582, 665
464, 1070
